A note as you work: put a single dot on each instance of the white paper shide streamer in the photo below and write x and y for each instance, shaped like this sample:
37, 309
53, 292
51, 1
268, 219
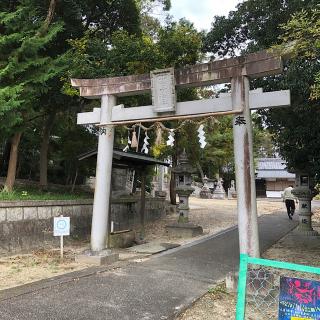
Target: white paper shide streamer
145, 144
128, 144
201, 136
170, 141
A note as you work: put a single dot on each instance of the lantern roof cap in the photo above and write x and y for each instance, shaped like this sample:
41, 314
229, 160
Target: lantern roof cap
184, 165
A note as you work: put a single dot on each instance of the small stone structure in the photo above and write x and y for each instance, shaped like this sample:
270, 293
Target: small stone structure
125, 212
103, 257
160, 182
219, 192
183, 228
205, 192
232, 193
184, 189
122, 239
304, 194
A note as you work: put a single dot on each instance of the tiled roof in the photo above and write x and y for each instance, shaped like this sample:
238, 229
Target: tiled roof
130, 157
272, 168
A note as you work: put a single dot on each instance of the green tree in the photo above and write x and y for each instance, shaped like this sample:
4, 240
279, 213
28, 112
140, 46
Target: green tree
24, 68
254, 25
33, 62
301, 38
257, 25
174, 45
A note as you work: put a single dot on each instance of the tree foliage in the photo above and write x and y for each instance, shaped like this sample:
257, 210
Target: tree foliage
301, 38
254, 25
25, 68
43, 44
257, 25
177, 44
34, 48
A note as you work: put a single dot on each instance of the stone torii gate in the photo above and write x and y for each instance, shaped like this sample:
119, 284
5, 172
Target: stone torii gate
163, 83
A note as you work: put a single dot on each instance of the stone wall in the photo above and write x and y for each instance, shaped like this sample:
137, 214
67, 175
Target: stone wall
125, 212
26, 225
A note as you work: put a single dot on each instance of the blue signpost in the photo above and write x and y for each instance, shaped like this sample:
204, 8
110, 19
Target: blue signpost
61, 227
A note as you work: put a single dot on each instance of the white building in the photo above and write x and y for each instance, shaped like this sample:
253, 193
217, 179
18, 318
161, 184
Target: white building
272, 177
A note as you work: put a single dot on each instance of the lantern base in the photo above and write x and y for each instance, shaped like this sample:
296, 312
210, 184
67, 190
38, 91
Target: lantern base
183, 219
183, 230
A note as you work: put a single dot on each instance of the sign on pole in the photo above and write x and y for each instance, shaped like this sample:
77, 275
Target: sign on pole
265, 289
61, 227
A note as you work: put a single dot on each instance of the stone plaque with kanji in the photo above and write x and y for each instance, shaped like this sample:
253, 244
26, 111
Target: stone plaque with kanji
163, 90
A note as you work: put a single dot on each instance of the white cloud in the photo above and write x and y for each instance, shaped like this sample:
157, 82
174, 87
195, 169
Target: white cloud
201, 12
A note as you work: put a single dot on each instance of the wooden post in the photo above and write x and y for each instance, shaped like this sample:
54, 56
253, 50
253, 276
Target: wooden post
143, 203
61, 247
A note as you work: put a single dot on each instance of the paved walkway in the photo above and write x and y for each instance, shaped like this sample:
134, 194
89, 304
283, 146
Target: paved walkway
151, 290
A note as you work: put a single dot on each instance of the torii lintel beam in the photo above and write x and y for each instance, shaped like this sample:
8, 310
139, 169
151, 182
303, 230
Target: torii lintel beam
253, 65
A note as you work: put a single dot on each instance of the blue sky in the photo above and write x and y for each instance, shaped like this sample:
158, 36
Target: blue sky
201, 12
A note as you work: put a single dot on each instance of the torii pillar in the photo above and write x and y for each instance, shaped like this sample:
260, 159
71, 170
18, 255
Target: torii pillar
244, 167
162, 83
102, 189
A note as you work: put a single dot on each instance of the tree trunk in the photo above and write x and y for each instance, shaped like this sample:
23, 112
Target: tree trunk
5, 158
200, 170
173, 199
11, 174
49, 18
51, 10
44, 151
173, 196
143, 204
74, 180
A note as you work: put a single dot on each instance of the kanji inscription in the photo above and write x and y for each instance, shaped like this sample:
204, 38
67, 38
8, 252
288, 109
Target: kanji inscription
240, 120
163, 90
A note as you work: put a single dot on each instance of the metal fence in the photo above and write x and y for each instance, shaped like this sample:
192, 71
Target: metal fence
259, 286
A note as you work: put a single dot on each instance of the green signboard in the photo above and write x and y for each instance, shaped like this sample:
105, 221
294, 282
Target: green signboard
299, 299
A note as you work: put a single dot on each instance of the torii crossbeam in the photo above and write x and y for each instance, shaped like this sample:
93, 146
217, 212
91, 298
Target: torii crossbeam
162, 84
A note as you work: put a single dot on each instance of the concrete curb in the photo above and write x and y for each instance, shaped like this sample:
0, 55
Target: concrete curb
56, 281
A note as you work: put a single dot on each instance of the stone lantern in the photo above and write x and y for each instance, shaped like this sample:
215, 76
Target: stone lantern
183, 172
219, 192
205, 192
303, 192
183, 228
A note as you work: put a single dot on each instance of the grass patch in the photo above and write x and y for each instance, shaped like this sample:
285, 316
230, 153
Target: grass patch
317, 197
32, 193
220, 288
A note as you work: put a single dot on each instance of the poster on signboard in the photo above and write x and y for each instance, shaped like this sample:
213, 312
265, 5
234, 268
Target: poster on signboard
299, 299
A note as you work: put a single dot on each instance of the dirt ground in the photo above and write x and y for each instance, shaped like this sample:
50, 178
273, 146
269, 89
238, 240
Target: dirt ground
212, 215
219, 304
39, 264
